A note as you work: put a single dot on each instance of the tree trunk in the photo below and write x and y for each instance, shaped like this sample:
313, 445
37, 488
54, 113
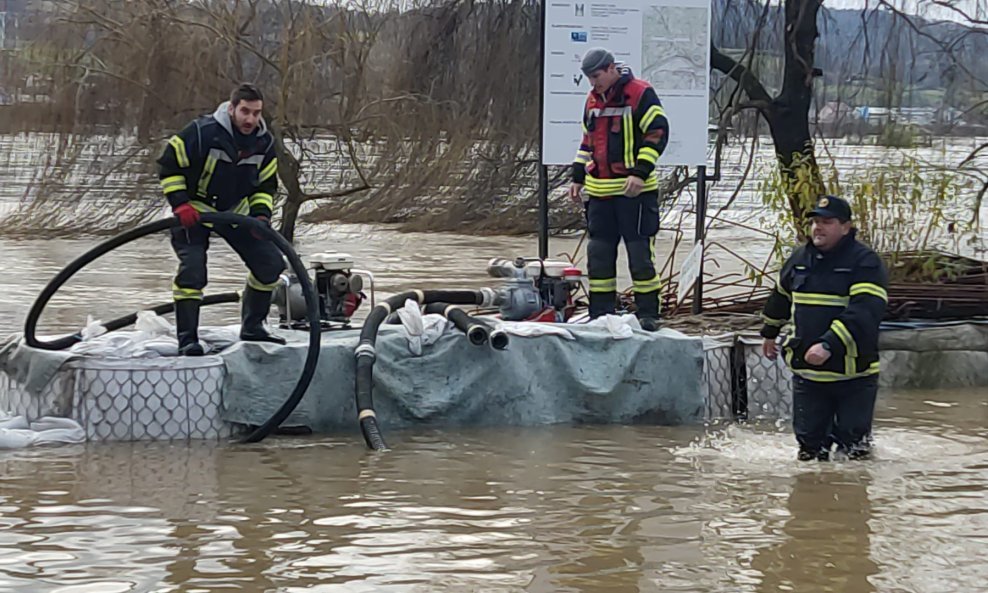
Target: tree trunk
146, 117
789, 121
797, 162
288, 173
289, 216
788, 113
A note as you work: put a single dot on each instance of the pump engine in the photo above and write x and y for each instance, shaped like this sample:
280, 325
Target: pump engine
536, 290
340, 288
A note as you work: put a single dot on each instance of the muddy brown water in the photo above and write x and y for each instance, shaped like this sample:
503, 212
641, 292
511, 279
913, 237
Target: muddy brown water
588, 509
552, 509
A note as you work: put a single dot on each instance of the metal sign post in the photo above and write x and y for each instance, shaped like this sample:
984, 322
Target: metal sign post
543, 170
700, 234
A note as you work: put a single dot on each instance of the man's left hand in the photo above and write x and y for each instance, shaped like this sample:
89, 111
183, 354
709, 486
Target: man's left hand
257, 234
817, 355
633, 186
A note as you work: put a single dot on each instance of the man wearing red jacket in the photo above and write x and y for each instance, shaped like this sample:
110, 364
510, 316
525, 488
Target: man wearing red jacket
624, 132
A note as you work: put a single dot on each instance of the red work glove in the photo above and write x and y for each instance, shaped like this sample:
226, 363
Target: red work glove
257, 234
187, 215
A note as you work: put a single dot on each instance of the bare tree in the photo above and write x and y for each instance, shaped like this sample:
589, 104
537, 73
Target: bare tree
787, 111
424, 113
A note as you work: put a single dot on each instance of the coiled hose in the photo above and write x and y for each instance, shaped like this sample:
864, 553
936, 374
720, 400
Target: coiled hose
366, 352
122, 322
311, 301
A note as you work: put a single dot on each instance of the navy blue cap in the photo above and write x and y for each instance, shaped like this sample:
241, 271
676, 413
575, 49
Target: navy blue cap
832, 207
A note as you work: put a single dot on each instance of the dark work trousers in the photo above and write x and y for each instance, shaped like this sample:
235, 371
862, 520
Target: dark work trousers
838, 413
261, 257
636, 220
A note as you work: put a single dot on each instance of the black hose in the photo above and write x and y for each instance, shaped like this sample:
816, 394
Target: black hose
366, 352
311, 300
475, 331
497, 336
122, 322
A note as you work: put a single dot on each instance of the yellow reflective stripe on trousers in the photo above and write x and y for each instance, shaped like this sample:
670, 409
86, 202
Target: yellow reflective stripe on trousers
648, 154
819, 299
181, 157
173, 184
627, 123
258, 285
262, 199
647, 285
269, 171
850, 346
603, 188
207, 175
869, 288
186, 294
603, 284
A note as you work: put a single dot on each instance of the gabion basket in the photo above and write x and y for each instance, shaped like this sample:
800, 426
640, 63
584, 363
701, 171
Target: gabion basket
120, 401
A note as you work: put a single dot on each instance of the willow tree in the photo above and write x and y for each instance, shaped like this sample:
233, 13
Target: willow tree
787, 111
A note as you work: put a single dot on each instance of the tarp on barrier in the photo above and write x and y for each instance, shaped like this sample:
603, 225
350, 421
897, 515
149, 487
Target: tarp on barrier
548, 379
581, 374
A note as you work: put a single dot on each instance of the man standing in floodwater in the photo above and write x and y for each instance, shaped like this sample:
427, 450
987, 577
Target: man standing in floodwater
833, 291
224, 162
624, 133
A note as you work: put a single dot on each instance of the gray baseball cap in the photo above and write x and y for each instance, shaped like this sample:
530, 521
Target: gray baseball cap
595, 59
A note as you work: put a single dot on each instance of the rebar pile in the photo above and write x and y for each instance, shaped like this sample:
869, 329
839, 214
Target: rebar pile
960, 292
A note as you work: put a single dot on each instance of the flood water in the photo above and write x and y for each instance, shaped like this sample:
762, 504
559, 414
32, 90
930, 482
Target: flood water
556, 509
552, 509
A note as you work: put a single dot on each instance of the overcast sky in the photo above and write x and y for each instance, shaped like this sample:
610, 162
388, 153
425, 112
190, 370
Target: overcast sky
975, 8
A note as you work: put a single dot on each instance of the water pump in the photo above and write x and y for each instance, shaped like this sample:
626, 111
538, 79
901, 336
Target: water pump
536, 290
340, 287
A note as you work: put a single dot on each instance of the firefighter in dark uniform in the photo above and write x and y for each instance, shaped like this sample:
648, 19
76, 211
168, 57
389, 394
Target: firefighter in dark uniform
224, 162
624, 133
833, 292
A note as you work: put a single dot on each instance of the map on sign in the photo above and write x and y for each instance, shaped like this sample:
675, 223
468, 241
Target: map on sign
674, 48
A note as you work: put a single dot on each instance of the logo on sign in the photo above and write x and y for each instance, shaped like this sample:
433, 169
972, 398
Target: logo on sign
578, 36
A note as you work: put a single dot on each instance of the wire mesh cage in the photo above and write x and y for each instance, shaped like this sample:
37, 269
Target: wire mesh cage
130, 400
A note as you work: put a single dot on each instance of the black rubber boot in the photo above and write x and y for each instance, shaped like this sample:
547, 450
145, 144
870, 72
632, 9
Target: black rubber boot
808, 455
650, 324
187, 324
256, 304
602, 303
647, 310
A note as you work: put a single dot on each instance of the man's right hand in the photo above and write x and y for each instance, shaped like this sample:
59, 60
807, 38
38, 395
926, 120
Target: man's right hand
187, 215
576, 192
770, 349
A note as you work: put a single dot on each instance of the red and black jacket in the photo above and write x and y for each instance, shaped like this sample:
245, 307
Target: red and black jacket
625, 131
